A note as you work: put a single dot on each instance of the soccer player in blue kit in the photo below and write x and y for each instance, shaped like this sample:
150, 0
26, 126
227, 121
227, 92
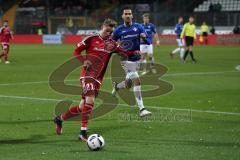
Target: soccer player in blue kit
129, 36
147, 49
180, 43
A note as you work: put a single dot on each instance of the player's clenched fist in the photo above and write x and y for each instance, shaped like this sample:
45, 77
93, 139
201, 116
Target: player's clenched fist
87, 64
110, 45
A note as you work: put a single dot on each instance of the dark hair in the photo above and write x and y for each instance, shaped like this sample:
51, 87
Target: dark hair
109, 22
5, 21
146, 15
126, 8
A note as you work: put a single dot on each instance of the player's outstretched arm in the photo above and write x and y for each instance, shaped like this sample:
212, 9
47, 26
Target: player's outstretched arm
78, 51
124, 53
113, 47
144, 38
156, 37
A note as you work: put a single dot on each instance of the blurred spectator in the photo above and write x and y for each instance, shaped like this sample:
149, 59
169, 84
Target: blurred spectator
236, 30
204, 30
40, 31
215, 7
212, 30
218, 7
210, 9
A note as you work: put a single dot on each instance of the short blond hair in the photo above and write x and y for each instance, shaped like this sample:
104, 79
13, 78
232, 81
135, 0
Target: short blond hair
109, 22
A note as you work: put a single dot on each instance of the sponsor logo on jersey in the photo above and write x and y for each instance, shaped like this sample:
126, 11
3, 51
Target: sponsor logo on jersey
101, 50
129, 36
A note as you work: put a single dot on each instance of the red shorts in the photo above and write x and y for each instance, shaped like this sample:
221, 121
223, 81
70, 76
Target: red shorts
90, 86
5, 46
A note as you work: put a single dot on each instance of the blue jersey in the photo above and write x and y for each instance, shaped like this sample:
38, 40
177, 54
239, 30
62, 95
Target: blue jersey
178, 30
150, 30
129, 38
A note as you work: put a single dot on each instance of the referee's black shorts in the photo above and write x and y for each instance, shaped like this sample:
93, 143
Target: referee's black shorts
189, 41
204, 34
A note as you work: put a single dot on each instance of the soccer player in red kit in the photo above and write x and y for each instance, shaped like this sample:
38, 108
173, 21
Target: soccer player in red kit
99, 49
5, 37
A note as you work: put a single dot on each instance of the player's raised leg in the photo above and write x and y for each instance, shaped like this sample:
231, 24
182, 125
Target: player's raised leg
132, 78
71, 112
176, 50
182, 53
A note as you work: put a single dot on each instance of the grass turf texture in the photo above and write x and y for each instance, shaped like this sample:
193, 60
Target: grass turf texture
27, 132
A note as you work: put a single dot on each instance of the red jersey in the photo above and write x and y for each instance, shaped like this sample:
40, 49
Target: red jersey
5, 35
97, 55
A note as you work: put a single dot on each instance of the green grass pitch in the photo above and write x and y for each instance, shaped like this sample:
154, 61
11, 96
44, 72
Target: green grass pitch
206, 97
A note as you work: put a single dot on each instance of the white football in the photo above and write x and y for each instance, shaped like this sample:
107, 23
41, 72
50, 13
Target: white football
95, 142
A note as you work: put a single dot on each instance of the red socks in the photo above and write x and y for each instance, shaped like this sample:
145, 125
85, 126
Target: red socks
75, 111
86, 111
72, 112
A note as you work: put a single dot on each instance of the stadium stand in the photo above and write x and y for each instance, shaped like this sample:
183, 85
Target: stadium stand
76, 16
226, 5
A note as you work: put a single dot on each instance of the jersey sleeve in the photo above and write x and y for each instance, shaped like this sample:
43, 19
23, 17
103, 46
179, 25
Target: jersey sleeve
123, 52
142, 31
115, 35
83, 45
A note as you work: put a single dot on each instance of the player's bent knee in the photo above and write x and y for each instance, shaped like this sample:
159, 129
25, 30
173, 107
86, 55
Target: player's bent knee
81, 104
89, 99
137, 82
128, 83
131, 78
150, 57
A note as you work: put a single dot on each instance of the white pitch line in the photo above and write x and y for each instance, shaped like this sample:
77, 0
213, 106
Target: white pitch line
33, 82
165, 75
121, 104
30, 98
198, 73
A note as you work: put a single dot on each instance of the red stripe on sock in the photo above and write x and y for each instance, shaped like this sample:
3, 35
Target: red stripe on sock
86, 111
72, 112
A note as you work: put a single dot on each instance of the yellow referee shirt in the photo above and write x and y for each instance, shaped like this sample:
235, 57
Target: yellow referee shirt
189, 30
204, 28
